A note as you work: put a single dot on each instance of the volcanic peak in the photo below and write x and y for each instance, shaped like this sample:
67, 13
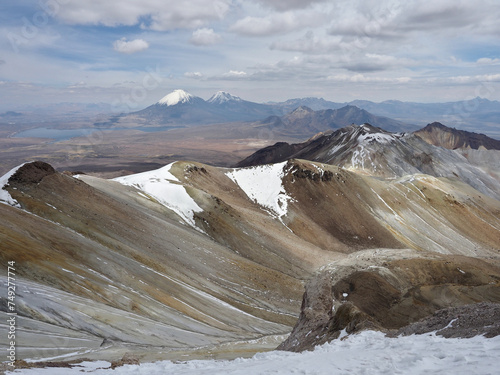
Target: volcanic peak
221, 97
176, 97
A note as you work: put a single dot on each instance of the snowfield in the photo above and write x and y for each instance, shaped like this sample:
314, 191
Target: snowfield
5, 197
263, 184
366, 353
166, 189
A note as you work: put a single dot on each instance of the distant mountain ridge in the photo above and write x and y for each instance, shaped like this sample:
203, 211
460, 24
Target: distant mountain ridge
438, 134
304, 120
475, 114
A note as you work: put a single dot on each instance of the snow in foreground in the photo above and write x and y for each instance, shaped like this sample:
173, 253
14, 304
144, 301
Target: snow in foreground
4, 194
263, 184
367, 353
166, 189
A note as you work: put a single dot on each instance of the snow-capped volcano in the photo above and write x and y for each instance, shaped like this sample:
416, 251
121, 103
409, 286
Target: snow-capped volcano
176, 97
222, 97
181, 107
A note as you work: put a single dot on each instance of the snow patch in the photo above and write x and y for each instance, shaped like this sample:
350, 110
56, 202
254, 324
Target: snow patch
166, 189
368, 352
5, 197
377, 137
263, 184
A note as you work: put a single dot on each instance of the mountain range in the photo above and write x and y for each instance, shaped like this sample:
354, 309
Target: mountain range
474, 115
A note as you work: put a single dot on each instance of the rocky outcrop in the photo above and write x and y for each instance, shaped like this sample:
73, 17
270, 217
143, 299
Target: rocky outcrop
464, 321
390, 295
31, 173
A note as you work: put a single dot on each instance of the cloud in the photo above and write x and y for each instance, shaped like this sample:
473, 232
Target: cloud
475, 79
278, 23
196, 75
488, 61
204, 37
288, 4
360, 78
232, 75
395, 19
129, 47
158, 15
372, 62
2, 62
309, 43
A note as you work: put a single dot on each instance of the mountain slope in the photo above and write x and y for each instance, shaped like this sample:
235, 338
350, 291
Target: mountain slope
127, 265
438, 134
374, 151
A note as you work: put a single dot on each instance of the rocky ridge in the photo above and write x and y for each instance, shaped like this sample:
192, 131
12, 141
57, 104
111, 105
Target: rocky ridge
438, 134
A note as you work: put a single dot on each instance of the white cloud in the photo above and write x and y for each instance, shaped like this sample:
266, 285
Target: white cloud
360, 78
288, 4
129, 47
196, 75
204, 37
475, 79
235, 75
278, 23
152, 14
309, 43
488, 61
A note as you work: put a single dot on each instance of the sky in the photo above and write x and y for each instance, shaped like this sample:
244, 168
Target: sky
130, 53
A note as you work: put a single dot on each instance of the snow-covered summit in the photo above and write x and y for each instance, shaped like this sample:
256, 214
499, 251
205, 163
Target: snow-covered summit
221, 97
367, 133
176, 97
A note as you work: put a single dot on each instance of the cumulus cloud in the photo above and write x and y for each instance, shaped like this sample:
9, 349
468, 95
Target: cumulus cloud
235, 73
196, 75
204, 37
395, 19
372, 62
475, 79
309, 43
288, 4
232, 75
129, 47
151, 14
278, 23
361, 78
488, 61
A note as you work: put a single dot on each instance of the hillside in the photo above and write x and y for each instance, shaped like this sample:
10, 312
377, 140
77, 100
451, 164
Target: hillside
203, 256
438, 134
374, 151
